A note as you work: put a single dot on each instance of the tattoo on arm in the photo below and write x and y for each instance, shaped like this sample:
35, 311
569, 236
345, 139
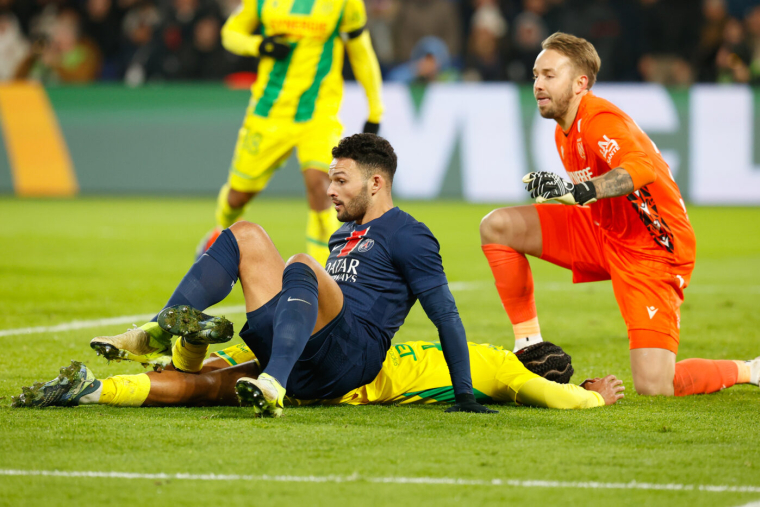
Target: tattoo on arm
613, 184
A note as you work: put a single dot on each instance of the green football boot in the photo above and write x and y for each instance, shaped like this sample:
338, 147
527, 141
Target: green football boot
195, 326
147, 345
75, 381
264, 394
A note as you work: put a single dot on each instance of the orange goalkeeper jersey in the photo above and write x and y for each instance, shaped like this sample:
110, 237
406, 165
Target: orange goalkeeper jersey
652, 220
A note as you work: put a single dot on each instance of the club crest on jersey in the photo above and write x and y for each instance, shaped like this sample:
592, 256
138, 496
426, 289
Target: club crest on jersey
581, 152
353, 241
366, 245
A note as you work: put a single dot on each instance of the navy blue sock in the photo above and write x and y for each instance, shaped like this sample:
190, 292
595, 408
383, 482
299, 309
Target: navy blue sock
212, 276
294, 320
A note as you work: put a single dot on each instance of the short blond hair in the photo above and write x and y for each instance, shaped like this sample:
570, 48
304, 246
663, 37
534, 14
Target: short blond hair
581, 53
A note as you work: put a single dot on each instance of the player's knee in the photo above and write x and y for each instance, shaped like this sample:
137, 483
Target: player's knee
495, 227
304, 259
652, 385
248, 233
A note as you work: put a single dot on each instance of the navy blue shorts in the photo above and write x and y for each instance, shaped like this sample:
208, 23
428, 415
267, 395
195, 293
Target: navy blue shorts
337, 359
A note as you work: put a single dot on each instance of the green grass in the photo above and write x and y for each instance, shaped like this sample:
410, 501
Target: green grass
93, 258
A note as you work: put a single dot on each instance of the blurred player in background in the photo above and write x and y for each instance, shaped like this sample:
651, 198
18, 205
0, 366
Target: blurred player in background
625, 220
413, 372
295, 101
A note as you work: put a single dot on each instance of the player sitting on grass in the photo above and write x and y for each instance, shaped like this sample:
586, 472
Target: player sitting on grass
320, 332
624, 221
413, 372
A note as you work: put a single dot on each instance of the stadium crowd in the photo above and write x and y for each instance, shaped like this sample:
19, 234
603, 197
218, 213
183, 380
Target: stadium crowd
674, 42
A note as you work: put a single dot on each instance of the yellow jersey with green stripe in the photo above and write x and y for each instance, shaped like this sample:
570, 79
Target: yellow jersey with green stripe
308, 83
416, 372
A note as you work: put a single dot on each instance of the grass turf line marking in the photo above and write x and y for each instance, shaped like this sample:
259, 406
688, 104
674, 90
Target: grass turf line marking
130, 319
392, 480
454, 286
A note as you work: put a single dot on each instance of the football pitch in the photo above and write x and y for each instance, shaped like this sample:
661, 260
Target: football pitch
74, 269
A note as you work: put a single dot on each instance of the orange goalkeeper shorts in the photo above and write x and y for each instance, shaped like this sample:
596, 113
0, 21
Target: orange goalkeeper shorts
649, 293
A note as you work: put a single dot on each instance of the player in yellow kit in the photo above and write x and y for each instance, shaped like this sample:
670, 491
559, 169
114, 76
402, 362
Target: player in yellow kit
413, 372
295, 100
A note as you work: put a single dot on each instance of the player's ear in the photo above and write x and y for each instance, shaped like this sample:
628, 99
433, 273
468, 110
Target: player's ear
581, 83
376, 183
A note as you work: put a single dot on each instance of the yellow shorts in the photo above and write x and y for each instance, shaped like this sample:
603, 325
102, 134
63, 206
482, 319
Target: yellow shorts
265, 144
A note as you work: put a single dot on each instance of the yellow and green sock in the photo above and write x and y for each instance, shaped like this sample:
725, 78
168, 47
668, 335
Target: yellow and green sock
320, 225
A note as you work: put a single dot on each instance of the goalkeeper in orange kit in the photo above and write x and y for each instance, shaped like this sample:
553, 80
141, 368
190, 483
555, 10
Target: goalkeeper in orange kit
622, 218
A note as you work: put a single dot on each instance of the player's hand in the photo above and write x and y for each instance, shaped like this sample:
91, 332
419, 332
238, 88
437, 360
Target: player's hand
371, 128
610, 387
546, 186
275, 46
467, 403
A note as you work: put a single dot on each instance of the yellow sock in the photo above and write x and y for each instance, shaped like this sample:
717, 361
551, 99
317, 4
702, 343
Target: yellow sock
125, 390
188, 357
319, 227
226, 215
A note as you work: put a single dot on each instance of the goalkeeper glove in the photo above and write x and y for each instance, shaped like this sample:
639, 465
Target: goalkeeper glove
371, 128
274, 46
466, 403
545, 186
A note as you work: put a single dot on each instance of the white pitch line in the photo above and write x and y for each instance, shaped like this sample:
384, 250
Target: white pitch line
751, 504
391, 480
131, 319
111, 321
455, 286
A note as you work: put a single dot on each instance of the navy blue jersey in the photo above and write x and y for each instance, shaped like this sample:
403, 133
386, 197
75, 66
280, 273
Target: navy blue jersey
381, 267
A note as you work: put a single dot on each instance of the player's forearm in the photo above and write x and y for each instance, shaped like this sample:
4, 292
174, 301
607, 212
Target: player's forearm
240, 43
615, 183
237, 30
441, 309
367, 71
539, 392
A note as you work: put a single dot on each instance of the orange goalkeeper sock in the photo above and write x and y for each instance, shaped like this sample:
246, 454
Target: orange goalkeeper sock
703, 376
514, 282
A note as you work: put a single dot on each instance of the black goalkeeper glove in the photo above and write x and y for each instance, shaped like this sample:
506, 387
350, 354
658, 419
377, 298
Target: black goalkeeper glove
466, 403
274, 46
371, 128
545, 186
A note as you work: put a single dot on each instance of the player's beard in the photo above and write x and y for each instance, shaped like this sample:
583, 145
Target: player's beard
559, 106
356, 208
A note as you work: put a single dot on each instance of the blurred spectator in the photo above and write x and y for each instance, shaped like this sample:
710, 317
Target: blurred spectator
670, 32
753, 41
139, 28
529, 31
675, 42
206, 59
484, 60
102, 23
430, 62
715, 17
14, 48
733, 58
64, 55
381, 16
421, 18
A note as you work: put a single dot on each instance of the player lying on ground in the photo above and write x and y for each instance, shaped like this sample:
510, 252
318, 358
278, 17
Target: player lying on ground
625, 220
413, 372
319, 332
295, 100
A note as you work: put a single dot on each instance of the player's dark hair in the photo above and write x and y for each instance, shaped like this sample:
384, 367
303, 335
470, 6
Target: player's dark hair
547, 360
371, 153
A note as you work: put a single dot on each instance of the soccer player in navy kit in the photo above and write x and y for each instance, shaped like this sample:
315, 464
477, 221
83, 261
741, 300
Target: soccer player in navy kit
320, 332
